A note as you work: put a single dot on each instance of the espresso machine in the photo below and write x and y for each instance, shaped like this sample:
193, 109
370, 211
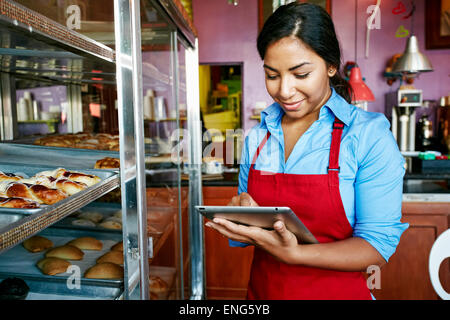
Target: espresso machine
401, 111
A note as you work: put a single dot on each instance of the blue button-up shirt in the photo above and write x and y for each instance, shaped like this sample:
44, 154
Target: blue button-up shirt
372, 167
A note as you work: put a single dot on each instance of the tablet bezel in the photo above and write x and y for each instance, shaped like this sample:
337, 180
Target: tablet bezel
263, 217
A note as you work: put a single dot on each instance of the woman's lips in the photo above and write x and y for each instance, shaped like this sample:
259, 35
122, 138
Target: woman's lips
292, 106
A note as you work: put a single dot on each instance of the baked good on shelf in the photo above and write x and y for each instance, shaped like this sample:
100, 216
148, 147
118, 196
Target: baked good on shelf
9, 177
18, 203
93, 216
111, 224
65, 252
104, 270
69, 187
117, 247
107, 163
157, 284
83, 223
52, 265
112, 256
35, 192
87, 179
86, 243
37, 244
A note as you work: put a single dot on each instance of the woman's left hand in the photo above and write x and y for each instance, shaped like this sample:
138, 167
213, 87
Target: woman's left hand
280, 242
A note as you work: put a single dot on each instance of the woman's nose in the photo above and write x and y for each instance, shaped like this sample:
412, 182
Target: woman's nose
287, 88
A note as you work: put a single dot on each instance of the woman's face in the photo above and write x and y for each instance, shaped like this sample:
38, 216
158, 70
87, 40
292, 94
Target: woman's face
296, 77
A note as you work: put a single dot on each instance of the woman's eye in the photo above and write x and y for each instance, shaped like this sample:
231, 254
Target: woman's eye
270, 77
302, 76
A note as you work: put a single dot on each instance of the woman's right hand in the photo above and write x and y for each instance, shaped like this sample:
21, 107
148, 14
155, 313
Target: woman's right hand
244, 200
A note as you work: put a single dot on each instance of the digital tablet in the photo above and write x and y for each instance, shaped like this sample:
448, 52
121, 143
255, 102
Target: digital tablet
263, 217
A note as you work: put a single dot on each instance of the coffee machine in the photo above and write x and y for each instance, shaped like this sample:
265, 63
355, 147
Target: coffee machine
401, 111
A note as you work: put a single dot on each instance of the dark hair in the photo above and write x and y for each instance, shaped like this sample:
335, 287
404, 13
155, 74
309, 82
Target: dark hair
313, 26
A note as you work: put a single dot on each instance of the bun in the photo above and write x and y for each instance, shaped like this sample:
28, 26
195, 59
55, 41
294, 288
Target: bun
105, 270
83, 223
111, 224
65, 252
18, 203
157, 284
117, 247
112, 256
52, 266
86, 243
93, 216
69, 187
37, 244
107, 163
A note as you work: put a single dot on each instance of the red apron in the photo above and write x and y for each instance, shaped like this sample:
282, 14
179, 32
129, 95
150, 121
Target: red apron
316, 200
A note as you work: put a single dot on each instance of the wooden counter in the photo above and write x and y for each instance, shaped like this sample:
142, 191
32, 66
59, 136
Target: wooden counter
404, 277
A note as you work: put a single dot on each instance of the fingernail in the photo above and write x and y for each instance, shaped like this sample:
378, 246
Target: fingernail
208, 224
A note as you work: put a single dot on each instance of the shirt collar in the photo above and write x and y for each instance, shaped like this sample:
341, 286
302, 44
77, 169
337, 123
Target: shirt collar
335, 104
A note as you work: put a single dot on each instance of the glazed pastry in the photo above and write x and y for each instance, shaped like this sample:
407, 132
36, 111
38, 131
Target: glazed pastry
52, 266
87, 179
105, 270
35, 192
112, 256
69, 187
65, 252
18, 203
107, 163
86, 243
9, 177
111, 224
37, 244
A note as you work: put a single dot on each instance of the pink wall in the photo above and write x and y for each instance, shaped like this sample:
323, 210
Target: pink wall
228, 33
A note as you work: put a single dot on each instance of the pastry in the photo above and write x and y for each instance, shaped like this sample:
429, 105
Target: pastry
157, 284
93, 216
52, 265
35, 192
37, 244
18, 203
69, 187
83, 223
87, 179
107, 163
86, 243
117, 247
65, 252
9, 177
104, 270
112, 256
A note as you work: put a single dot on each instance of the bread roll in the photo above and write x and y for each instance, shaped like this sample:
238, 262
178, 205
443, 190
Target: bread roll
93, 216
86, 243
52, 266
112, 256
83, 223
157, 284
105, 270
111, 224
37, 244
65, 252
117, 247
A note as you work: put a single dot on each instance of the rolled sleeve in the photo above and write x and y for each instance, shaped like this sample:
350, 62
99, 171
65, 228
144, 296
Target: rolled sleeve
378, 191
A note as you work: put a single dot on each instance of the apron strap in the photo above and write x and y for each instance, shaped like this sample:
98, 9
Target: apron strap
261, 145
333, 164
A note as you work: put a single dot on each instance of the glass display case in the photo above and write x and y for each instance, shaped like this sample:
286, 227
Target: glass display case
83, 81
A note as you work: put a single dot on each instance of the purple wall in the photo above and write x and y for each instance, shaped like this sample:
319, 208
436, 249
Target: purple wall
228, 33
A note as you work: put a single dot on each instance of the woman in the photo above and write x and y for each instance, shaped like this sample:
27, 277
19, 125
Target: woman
336, 166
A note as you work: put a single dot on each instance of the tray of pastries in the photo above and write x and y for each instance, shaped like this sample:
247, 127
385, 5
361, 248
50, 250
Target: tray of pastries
81, 140
68, 262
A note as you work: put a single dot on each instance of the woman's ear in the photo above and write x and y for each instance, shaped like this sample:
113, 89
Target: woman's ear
331, 72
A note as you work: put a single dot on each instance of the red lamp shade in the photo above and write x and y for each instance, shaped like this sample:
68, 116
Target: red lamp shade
361, 91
